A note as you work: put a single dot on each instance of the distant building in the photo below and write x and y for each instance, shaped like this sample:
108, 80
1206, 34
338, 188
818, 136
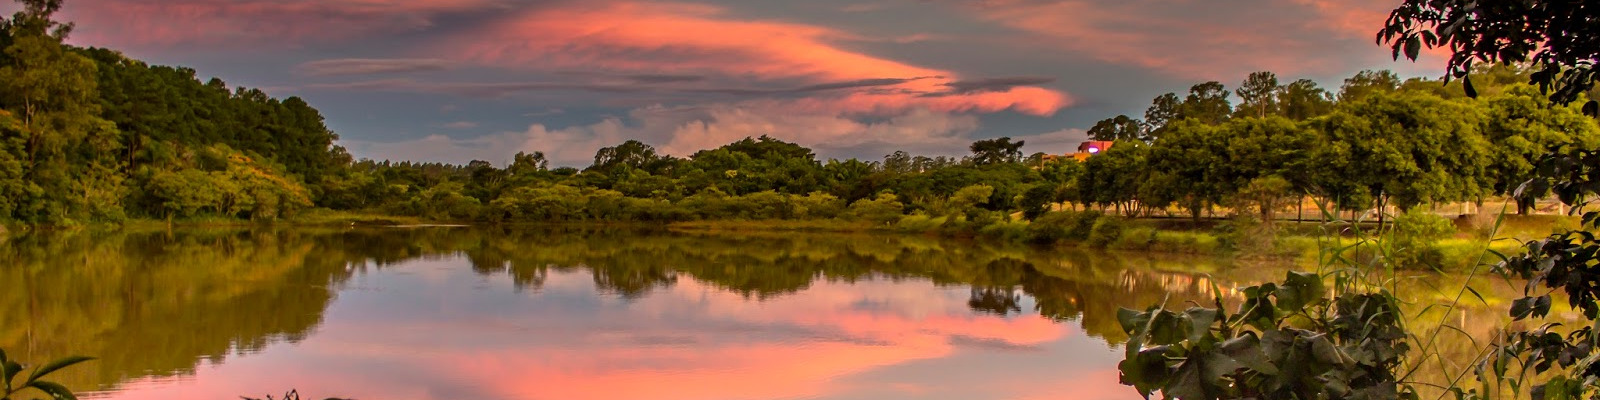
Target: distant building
1091, 148
1085, 150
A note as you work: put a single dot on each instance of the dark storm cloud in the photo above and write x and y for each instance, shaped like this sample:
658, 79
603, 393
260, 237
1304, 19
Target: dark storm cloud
471, 89
664, 78
997, 84
371, 66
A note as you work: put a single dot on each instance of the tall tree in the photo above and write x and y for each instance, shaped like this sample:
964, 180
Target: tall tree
632, 153
52, 91
1366, 83
1207, 102
1163, 110
1120, 128
996, 151
1258, 94
1302, 100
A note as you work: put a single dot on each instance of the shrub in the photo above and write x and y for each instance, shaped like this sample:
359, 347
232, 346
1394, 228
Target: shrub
1105, 231
1083, 225
817, 205
919, 223
885, 209
1412, 239
1051, 227
1139, 238
1005, 230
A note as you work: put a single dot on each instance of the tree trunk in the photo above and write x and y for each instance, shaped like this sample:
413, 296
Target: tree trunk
1300, 210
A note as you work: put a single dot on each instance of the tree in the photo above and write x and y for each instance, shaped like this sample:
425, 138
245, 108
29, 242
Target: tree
1207, 102
1524, 128
1163, 110
1302, 100
1411, 148
1121, 128
996, 151
1181, 168
53, 93
632, 153
1258, 94
1366, 83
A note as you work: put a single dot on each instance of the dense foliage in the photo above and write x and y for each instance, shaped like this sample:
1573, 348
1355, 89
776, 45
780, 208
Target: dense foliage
92, 136
1378, 141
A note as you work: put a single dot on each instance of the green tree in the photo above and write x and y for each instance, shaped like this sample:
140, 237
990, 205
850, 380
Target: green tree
1207, 102
1120, 128
1163, 110
996, 151
1367, 83
1258, 95
1302, 100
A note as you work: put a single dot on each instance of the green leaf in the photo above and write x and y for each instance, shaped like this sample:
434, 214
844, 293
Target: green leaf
1413, 47
56, 365
10, 368
1299, 290
1246, 350
1521, 308
1200, 320
1475, 294
1466, 83
55, 390
1132, 320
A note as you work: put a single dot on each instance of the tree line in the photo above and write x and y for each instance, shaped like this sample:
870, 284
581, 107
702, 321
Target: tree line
1378, 141
91, 135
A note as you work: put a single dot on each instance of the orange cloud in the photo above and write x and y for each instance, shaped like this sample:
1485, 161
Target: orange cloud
701, 39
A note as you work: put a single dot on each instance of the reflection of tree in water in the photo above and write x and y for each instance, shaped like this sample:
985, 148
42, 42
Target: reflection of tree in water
155, 304
1000, 301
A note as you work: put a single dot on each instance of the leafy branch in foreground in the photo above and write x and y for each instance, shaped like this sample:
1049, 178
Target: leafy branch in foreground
11, 386
1287, 341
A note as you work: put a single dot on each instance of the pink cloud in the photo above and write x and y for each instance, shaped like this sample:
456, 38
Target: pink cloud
516, 356
700, 39
1199, 39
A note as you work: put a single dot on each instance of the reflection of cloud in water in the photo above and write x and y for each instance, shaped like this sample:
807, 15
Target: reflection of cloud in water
688, 341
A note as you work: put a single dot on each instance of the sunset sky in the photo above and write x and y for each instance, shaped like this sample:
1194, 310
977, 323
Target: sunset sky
457, 80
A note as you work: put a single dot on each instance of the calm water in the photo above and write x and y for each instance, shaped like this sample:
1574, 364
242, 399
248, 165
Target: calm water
463, 313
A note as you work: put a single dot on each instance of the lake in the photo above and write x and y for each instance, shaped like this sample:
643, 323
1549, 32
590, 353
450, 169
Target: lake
523, 313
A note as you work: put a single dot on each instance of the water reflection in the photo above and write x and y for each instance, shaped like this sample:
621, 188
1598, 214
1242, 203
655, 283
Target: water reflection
453, 313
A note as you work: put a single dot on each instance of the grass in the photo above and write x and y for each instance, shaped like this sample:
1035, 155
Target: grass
810, 225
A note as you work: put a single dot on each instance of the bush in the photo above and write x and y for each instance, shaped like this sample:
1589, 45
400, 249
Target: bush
1005, 230
818, 205
883, 210
1105, 231
919, 223
1412, 240
1083, 225
1051, 227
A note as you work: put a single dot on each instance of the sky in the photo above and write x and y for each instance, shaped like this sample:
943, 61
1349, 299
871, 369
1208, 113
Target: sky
460, 80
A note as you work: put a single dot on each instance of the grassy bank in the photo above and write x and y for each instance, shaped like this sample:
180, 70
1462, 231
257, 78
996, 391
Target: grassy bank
1417, 242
